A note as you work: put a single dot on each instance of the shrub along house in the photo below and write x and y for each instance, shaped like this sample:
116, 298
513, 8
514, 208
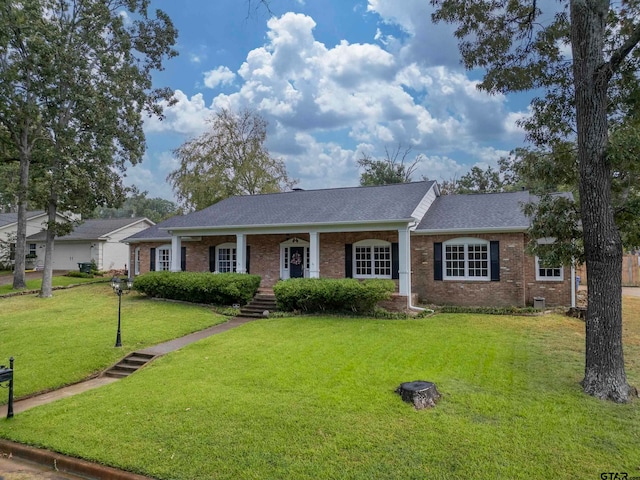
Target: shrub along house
442, 249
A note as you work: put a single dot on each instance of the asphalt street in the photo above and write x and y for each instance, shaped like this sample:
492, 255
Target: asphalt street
17, 469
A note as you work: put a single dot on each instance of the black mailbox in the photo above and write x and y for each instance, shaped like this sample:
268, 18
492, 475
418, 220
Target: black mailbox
6, 375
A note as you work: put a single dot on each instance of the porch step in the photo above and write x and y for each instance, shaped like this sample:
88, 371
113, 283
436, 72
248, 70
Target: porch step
128, 365
256, 307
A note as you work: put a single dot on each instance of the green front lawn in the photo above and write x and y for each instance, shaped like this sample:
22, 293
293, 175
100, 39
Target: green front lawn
63, 339
58, 281
314, 398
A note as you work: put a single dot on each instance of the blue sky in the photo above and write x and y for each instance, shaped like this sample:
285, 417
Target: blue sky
334, 79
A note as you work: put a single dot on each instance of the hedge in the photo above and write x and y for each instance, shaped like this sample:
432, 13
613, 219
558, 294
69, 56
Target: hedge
332, 295
197, 287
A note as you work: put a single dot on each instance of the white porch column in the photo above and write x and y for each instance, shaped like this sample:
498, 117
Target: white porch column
241, 253
314, 255
176, 246
404, 261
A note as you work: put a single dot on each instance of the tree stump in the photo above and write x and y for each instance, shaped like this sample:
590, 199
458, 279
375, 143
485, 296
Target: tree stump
422, 394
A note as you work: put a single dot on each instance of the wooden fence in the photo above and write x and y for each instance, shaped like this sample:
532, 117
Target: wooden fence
630, 271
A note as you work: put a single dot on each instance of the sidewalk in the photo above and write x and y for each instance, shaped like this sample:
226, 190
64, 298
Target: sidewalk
28, 463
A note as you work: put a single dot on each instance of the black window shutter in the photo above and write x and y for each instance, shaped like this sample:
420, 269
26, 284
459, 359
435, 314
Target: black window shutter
183, 259
247, 262
212, 259
348, 260
494, 255
152, 259
395, 261
437, 260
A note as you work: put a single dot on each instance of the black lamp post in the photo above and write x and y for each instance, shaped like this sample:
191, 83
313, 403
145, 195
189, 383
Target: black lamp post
118, 289
6, 375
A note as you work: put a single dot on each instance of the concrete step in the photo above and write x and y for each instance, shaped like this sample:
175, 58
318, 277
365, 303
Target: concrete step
263, 296
138, 359
259, 306
128, 365
251, 315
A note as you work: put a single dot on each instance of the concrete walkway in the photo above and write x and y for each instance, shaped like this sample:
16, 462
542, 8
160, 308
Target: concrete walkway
26, 463
157, 350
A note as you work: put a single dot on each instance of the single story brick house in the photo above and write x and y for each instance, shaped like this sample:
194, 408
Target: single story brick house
441, 249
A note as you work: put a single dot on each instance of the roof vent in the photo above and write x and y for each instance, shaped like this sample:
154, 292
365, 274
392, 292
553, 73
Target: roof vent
298, 189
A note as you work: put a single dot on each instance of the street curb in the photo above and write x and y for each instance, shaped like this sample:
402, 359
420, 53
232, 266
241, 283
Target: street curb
64, 463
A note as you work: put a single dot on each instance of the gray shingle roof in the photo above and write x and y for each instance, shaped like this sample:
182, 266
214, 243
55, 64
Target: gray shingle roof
477, 212
308, 207
92, 229
305, 207
9, 218
155, 232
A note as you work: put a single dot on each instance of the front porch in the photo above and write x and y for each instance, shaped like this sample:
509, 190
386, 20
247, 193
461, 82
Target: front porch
280, 256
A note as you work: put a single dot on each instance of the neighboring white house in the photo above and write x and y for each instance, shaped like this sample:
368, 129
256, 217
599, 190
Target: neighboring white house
36, 222
97, 240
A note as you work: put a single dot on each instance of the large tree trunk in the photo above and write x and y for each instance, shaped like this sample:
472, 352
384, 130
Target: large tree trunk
605, 375
21, 233
47, 273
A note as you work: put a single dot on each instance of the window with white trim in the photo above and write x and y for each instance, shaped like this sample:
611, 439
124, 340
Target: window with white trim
466, 259
226, 255
548, 274
372, 259
163, 258
136, 261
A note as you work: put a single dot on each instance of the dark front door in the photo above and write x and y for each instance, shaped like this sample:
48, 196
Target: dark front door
296, 262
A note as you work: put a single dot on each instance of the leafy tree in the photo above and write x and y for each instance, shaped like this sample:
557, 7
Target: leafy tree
229, 159
138, 205
21, 75
7, 245
478, 180
521, 48
82, 70
394, 168
9, 173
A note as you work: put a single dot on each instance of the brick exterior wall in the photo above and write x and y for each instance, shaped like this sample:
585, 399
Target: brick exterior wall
555, 293
517, 285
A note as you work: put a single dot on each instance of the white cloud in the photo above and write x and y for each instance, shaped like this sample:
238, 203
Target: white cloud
439, 168
150, 175
323, 104
126, 17
187, 116
316, 167
219, 76
426, 43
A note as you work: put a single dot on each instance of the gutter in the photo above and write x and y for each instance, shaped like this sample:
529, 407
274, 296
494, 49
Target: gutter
286, 227
457, 231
